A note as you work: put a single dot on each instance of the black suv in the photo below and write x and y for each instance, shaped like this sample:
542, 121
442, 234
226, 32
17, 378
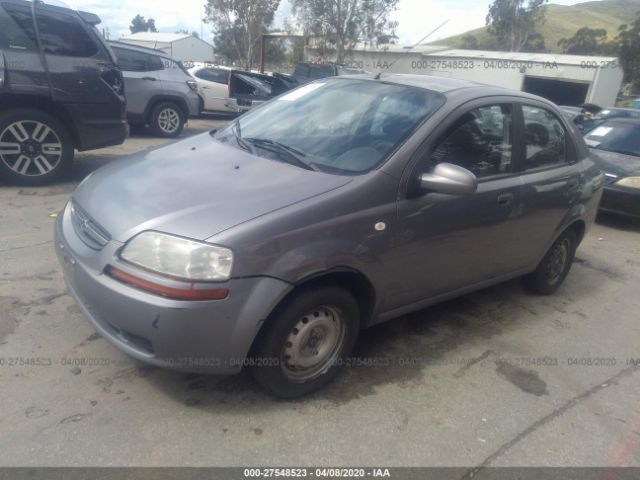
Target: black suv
60, 90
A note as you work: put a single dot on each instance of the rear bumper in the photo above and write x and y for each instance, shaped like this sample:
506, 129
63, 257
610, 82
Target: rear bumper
194, 336
621, 200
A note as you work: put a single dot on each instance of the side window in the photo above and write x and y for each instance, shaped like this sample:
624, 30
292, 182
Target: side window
129, 60
480, 141
213, 75
16, 28
155, 63
64, 35
132, 61
545, 138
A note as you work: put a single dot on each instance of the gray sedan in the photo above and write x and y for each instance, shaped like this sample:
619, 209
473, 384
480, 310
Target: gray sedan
339, 205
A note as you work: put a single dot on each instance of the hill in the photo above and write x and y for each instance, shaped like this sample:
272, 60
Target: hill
563, 21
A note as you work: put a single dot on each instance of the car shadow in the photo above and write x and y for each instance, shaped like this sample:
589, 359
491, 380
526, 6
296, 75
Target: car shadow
399, 352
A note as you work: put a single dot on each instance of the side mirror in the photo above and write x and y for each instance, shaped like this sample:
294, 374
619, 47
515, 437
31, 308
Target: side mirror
449, 179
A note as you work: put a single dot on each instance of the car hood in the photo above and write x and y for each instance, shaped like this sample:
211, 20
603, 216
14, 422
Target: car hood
195, 188
618, 163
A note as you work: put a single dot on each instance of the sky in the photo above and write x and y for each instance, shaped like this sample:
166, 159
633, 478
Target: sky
416, 17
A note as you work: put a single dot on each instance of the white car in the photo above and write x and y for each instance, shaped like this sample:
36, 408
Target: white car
226, 90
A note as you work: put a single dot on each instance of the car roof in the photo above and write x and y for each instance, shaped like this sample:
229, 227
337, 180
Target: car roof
138, 48
446, 85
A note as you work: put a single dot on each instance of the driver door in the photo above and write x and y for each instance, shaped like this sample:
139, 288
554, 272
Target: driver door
447, 243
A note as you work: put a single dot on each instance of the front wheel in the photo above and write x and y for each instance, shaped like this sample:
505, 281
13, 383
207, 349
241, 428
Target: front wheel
167, 120
305, 341
35, 148
555, 265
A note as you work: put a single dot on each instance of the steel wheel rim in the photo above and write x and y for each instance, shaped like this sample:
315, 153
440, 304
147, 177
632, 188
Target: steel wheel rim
558, 261
169, 120
314, 344
30, 148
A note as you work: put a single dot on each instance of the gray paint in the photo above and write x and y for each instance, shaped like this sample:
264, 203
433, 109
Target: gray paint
287, 224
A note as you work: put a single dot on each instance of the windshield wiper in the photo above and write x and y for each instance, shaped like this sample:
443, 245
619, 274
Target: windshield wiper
296, 156
238, 134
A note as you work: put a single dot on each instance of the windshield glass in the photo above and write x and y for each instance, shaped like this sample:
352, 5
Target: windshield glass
616, 137
342, 126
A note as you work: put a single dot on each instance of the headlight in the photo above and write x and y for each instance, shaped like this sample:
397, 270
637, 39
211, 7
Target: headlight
631, 182
179, 257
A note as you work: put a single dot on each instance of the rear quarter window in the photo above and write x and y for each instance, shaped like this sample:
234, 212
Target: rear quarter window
64, 35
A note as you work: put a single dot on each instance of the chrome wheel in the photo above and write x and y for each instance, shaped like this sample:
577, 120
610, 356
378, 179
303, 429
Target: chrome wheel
169, 120
314, 344
30, 148
558, 261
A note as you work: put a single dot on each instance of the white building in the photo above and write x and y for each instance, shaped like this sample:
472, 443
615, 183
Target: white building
180, 46
564, 79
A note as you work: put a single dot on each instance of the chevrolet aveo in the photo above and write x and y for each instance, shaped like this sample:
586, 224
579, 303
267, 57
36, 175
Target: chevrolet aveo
339, 205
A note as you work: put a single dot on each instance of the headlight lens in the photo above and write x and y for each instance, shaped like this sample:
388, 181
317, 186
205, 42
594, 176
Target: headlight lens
179, 257
631, 182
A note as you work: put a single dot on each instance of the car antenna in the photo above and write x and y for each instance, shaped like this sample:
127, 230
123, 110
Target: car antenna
377, 77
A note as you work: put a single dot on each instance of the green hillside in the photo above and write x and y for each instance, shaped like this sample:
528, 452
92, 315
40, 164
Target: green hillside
563, 22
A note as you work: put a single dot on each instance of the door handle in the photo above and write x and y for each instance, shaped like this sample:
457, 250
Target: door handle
149, 78
505, 199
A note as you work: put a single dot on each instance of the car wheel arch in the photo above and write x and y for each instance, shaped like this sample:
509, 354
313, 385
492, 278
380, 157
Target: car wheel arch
155, 101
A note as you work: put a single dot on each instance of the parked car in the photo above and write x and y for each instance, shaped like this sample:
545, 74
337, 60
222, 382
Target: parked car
60, 90
227, 90
341, 204
617, 143
582, 118
305, 72
610, 113
160, 92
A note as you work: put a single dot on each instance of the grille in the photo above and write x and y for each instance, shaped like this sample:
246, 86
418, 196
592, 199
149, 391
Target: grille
92, 234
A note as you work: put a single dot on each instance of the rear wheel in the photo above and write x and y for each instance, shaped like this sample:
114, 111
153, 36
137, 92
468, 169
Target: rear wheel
34, 147
167, 120
555, 265
305, 341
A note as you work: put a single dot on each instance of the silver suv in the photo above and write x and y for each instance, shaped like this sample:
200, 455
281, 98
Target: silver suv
160, 92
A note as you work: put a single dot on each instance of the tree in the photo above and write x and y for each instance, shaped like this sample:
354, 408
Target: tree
513, 21
238, 25
586, 41
343, 23
469, 42
139, 24
535, 43
628, 44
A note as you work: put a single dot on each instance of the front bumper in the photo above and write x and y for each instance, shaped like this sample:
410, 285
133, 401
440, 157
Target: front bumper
195, 336
621, 200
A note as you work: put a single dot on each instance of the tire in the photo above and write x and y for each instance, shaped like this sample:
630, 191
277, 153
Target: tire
35, 148
555, 265
167, 120
326, 320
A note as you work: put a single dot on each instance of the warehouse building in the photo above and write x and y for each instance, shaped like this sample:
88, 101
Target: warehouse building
563, 79
183, 47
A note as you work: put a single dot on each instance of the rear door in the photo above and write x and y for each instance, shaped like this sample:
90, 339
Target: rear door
142, 81
74, 55
213, 85
447, 243
552, 179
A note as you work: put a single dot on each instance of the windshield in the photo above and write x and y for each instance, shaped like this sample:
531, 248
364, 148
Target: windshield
616, 137
341, 126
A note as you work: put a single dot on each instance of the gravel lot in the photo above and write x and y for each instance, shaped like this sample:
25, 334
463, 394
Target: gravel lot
499, 377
